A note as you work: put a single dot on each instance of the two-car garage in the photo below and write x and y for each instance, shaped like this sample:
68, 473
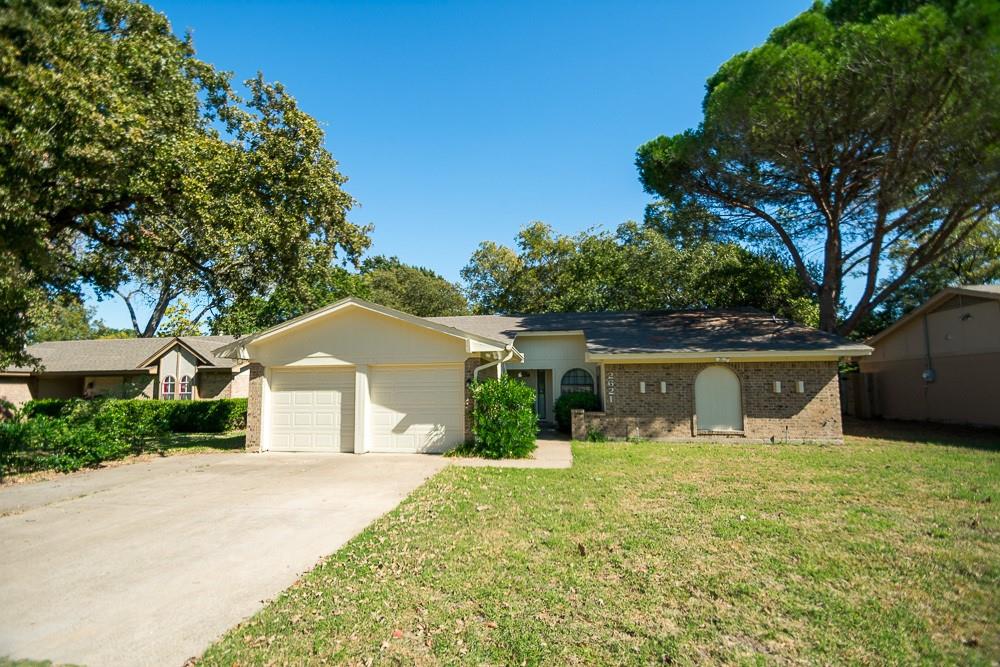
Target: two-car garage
410, 408
359, 377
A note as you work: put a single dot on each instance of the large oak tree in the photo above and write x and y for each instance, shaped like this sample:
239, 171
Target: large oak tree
863, 139
125, 159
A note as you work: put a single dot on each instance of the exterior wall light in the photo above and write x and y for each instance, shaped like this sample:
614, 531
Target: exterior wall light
777, 386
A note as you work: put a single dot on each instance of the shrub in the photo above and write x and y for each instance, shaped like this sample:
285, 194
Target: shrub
47, 407
576, 400
57, 443
69, 434
503, 419
215, 416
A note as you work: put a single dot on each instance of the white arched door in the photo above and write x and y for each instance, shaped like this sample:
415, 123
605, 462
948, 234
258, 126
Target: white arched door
717, 401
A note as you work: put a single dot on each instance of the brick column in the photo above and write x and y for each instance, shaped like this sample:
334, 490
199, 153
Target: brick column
255, 398
578, 424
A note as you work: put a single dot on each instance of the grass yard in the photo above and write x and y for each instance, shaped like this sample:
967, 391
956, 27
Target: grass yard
203, 443
881, 551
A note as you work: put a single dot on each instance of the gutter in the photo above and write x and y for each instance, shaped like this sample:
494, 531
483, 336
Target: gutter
510, 355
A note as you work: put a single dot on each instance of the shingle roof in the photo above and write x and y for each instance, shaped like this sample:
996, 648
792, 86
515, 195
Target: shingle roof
652, 332
117, 354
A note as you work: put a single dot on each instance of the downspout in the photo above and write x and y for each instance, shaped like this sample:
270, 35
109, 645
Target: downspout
510, 355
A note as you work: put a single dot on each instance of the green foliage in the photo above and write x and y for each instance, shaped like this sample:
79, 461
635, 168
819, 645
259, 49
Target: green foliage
412, 289
178, 320
974, 261
45, 407
288, 299
503, 419
636, 268
861, 129
125, 159
574, 400
384, 280
69, 434
65, 316
213, 416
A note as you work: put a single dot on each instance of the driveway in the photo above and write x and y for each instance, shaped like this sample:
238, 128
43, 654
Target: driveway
147, 564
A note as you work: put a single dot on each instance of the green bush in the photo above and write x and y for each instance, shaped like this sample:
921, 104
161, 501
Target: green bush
47, 407
215, 416
58, 443
576, 400
69, 434
503, 419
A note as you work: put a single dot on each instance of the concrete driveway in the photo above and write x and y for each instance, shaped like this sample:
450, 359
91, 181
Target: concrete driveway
147, 564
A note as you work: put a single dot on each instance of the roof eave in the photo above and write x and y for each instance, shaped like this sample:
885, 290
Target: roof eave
238, 349
674, 356
927, 305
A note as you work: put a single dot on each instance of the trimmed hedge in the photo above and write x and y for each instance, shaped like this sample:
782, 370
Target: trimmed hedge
503, 419
69, 434
45, 407
576, 400
210, 416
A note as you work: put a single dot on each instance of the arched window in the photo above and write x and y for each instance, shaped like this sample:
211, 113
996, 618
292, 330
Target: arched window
167, 390
577, 380
717, 402
185, 393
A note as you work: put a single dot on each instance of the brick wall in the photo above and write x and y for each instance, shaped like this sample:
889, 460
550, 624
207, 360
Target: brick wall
254, 407
214, 384
813, 415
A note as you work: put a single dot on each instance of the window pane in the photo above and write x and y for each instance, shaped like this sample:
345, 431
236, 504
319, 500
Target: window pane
577, 379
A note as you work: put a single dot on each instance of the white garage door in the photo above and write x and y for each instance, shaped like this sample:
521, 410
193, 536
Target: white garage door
312, 411
417, 408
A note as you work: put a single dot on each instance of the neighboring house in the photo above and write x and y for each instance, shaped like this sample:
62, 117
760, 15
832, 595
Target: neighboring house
164, 368
359, 377
940, 362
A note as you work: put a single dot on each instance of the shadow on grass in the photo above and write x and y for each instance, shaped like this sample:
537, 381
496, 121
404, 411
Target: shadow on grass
232, 441
951, 435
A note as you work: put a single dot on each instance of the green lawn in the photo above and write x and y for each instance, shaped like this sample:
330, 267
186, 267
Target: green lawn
875, 552
203, 443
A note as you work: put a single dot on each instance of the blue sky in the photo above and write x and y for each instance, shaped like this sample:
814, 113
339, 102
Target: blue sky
458, 122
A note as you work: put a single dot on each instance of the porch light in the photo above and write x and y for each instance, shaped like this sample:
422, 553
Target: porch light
642, 387
800, 387
663, 387
777, 386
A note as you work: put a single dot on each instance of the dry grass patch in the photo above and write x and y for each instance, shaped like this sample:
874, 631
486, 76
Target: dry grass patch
877, 551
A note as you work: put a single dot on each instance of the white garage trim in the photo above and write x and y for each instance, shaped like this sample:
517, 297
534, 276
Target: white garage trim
416, 408
311, 410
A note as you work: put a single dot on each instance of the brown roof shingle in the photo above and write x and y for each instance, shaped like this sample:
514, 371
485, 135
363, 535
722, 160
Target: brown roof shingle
116, 354
651, 332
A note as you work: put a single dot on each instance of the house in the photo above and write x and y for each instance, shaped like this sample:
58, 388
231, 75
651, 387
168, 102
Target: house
165, 368
940, 362
359, 377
